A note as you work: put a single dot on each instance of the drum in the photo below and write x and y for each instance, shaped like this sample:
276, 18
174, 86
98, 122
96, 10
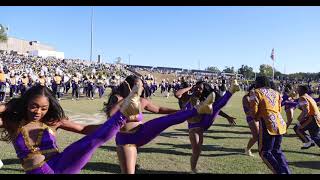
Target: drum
81, 90
61, 89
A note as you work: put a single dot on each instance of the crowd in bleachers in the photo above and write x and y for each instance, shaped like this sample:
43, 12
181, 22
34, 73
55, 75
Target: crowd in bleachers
83, 78
18, 73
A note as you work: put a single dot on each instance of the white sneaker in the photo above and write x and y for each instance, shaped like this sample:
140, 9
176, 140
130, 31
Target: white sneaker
193, 171
1, 164
248, 152
308, 145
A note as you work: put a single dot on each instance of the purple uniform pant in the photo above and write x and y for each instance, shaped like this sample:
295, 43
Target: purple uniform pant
313, 128
101, 91
13, 89
270, 151
76, 156
151, 129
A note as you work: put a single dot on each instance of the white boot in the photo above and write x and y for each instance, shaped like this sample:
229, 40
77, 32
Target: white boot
193, 171
1, 164
248, 152
308, 145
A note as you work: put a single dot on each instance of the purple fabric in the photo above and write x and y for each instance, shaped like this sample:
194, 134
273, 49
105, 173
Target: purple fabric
44, 169
246, 110
48, 141
101, 91
140, 117
271, 152
207, 120
13, 89
285, 98
76, 156
313, 129
22, 89
288, 104
21, 147
291, 104
249, 119
151, 129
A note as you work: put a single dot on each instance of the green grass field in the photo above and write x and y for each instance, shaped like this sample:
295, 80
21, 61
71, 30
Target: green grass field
170, 152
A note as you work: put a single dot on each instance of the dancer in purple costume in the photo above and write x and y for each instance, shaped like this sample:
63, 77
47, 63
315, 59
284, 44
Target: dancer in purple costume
289, 103
253, 125
198, 124
136, 133
30, 123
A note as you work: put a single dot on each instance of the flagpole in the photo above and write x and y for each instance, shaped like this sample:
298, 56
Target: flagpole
91, 34
273, 59
273, 71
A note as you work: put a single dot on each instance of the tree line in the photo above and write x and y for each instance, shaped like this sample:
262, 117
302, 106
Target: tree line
266, 70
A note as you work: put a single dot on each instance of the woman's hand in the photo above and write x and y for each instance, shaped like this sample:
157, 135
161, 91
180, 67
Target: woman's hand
232, 121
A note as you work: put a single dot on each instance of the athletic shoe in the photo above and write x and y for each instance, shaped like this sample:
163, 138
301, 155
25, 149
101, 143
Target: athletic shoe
308, 145
194, 171
248, 152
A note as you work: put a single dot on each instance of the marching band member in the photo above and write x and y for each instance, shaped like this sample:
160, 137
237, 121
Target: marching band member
56, 85
24, 81
75, 86
13, 84
309, 119
265, 107
3, 86
42, 79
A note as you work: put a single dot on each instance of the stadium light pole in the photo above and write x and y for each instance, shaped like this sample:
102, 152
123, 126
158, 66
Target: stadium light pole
129, 58
91, 34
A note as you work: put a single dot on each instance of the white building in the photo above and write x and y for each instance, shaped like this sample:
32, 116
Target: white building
47, 53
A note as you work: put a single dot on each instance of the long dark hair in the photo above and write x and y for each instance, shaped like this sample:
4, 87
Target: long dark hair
122, 90
207, 89
126, 86
17, 109
262, 81
287, 88
112, 100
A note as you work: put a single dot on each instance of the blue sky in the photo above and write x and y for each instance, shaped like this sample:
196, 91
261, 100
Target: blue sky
177, 36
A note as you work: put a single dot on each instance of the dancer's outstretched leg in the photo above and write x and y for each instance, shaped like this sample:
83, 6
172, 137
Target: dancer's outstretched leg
151, 129
76, 156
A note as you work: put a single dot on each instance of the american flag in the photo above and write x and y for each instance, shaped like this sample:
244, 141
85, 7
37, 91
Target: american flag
272, 54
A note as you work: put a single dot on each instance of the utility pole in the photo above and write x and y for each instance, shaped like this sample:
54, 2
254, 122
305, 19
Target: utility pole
129, 58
